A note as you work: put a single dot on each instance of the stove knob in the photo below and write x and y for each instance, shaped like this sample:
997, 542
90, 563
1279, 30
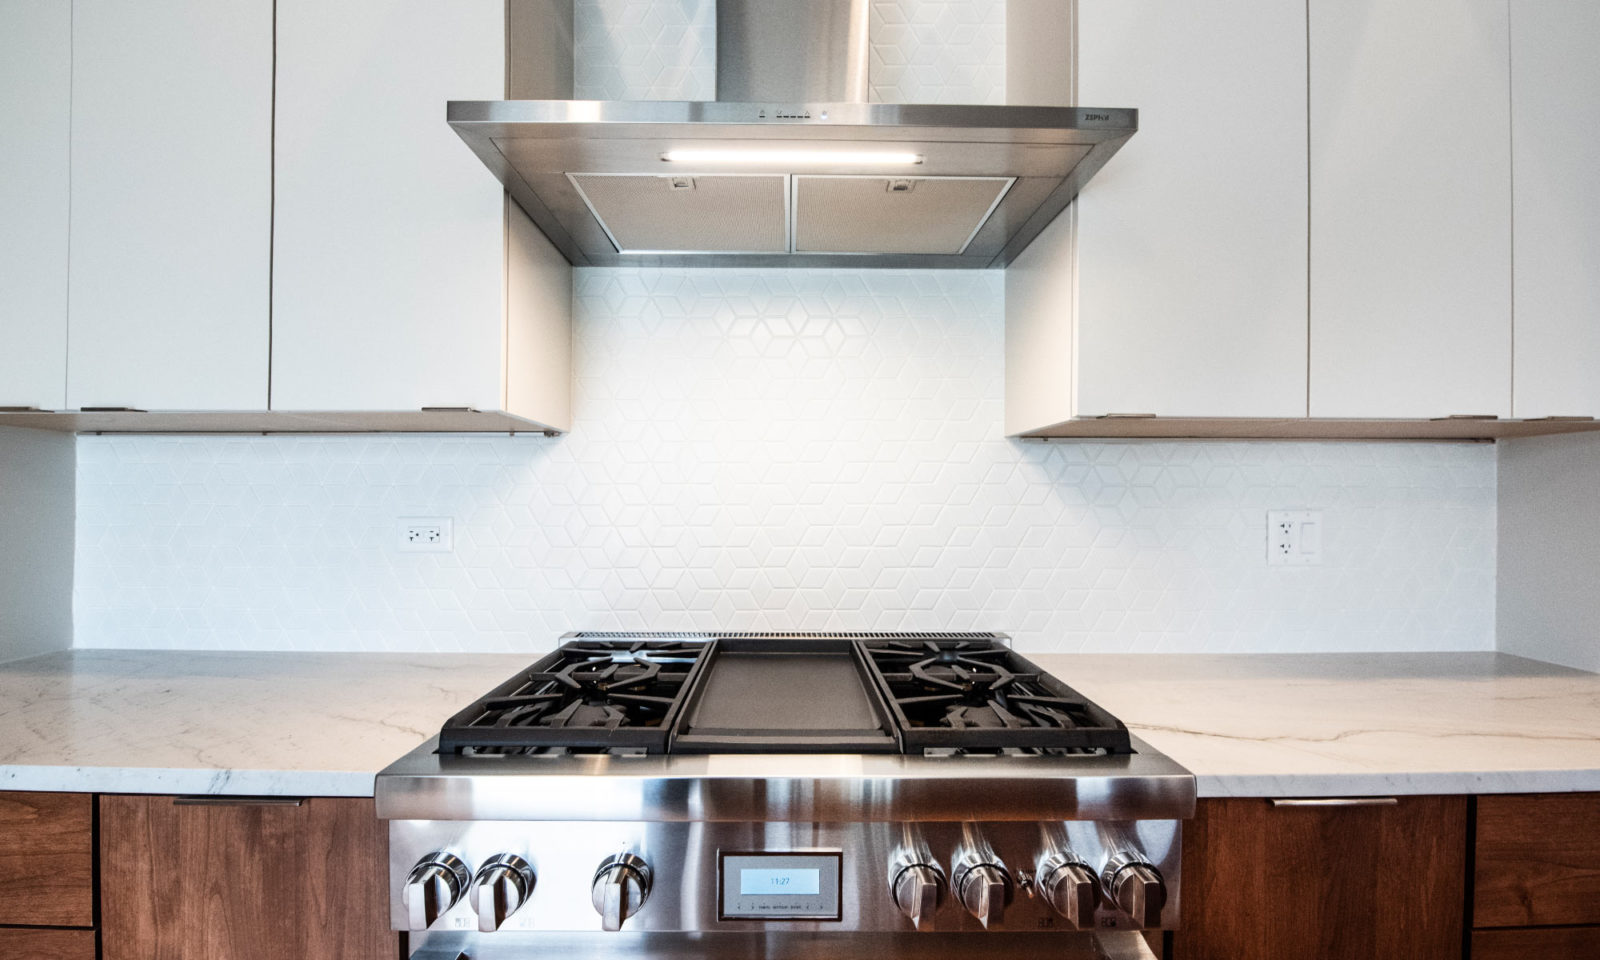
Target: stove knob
621, 886
501, 886
918, 890
434, 886
1070, 887
984, 889
1136, 887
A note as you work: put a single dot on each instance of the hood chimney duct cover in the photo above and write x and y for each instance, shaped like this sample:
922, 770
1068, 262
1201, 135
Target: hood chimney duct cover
794, 51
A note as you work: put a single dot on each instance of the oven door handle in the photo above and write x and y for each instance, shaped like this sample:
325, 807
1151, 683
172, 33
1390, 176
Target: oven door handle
1125, 945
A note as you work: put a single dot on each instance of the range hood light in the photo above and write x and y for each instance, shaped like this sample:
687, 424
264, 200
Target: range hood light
839, 158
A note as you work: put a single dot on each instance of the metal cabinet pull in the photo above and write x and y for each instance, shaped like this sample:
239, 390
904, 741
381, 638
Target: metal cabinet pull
205, 800
1335, 802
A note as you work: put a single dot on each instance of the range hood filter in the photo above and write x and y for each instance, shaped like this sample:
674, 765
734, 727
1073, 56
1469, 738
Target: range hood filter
688, 214
876, 215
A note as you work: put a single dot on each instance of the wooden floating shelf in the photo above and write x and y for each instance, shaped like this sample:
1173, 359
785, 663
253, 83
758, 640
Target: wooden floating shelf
245, 422
1242, 428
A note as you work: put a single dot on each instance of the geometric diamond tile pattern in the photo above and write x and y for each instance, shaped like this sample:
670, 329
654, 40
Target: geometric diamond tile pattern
645, 50
938, 51
770, 449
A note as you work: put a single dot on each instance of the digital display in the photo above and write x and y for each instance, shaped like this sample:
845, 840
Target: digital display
790, 882
779, 885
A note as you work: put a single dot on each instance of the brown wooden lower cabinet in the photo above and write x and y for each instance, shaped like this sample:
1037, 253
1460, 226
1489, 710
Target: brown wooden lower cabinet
243, 881
46, 860
1352, 882
1537, 943
47, 944
1538, 860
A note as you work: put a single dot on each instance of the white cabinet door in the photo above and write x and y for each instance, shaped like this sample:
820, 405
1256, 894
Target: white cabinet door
1410, 208
35, 96
1555, 116
389, 234
1192, 240
171, 204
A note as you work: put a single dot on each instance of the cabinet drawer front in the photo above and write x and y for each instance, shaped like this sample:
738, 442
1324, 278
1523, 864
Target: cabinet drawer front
47, 944
240, 879
1538, 861
1553, 943
1352, 879
46, 860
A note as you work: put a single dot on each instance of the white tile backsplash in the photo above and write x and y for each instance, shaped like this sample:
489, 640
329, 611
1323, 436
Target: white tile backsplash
937, 51
774, 450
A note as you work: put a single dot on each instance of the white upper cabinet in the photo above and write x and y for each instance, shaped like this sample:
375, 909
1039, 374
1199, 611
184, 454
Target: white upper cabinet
35, 97
1555, 114
171, 204
1410, 208
1191, 284
390, 236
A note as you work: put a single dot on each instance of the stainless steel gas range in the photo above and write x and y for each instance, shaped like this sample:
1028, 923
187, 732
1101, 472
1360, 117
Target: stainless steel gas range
775, 796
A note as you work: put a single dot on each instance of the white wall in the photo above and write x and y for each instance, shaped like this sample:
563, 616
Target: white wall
36, 542
771, 450
1549, 555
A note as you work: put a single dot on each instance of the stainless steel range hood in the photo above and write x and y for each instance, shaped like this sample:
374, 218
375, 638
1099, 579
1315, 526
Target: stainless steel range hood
795, 183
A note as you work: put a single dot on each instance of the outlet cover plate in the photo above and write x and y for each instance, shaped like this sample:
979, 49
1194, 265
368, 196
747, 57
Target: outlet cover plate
1294, 538
424, 535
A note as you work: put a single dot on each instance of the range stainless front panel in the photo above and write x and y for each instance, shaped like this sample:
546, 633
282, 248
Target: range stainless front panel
785, 787
685, 859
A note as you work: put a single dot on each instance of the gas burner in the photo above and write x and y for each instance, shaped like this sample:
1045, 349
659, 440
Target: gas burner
596, 692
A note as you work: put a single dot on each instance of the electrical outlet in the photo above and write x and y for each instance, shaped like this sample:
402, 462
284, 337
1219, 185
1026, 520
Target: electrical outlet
1294, 538
425, 534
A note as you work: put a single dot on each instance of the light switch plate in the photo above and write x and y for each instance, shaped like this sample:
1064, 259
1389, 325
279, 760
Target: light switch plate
1294, 538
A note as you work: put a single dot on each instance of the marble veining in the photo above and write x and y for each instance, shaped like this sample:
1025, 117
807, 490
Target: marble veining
1275, 725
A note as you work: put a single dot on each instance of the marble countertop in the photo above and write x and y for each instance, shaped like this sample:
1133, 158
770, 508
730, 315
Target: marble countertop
248, 724
1307, 725
305, 724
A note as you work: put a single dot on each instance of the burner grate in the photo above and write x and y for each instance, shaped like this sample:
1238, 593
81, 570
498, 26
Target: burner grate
971, 696
592, 693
